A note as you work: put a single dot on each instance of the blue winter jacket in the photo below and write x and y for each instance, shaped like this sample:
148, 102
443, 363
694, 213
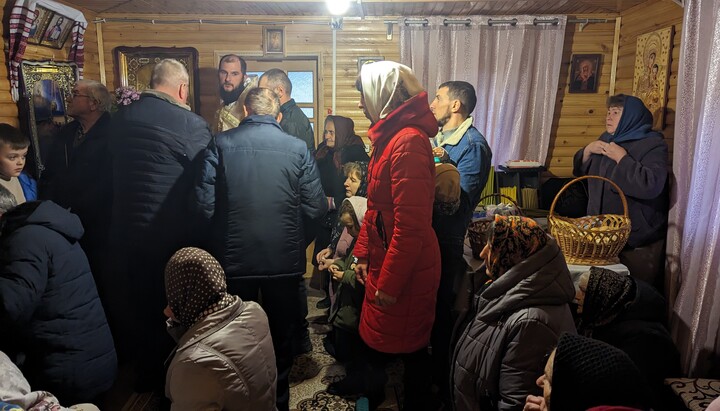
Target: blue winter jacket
256, 185
50, 311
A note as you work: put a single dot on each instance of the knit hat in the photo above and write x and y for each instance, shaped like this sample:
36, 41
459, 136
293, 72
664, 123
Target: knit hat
607, 295
447, 189
512, 239
195, 286
588, 373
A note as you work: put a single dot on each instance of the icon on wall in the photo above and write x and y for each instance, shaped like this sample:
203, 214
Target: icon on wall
584, 73
274, 41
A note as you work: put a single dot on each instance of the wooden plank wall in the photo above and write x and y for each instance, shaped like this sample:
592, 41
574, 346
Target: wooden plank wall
645, 18
8, 108
357, 39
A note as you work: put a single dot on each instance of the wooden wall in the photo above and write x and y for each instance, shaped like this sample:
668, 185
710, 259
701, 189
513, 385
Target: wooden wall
357, 39
580, 118
8, 108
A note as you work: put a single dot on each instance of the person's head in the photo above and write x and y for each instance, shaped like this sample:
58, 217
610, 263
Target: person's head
171, 77
454, 99
195, 286
262, 102
602, 296
651, 59
13, 150
582, 373
352, 212
329, 132
278, 81
447, 189
586, 69
655, 69
232, 72
616, 105
60, 21
7, 200
89, 98
384, 86
511, 239
355, 178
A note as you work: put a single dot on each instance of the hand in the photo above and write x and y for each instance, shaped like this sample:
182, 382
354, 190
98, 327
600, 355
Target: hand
383, 299
614, 152
336, 272
534, 403
325, 264
323, 254
441, 153
596, 147
361, 270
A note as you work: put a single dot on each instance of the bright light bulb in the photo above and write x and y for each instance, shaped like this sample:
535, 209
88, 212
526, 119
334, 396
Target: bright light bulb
337, 7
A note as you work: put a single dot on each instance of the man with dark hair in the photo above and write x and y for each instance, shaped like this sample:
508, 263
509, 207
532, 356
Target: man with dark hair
233, 83
260, 241
294, 121
78, 171
155, 142
461, 144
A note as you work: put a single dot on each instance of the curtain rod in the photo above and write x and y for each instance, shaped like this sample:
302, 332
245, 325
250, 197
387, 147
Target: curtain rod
491, 22
210, 21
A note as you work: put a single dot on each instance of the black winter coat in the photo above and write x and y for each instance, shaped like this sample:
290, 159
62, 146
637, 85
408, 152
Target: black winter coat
296, 123
49, 307
257, 185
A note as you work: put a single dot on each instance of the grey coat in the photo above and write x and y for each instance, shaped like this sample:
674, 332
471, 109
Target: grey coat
225, 362
517, 322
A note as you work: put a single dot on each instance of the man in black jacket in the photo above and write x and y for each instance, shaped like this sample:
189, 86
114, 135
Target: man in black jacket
154, 144
257, 184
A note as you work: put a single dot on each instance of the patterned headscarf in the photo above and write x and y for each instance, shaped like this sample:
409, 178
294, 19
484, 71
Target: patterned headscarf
608, 294
195, 286
512, 239
383, 85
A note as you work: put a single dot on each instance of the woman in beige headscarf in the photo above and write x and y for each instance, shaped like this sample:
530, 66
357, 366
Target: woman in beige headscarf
224, 358
399, 259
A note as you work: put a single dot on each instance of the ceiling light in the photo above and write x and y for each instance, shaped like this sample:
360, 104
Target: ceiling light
337, 7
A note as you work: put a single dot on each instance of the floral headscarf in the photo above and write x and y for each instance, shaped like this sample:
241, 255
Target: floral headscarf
383, 84
195, 286
512, 239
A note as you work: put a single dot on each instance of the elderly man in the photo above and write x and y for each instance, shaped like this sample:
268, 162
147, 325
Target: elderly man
234, 84
257, 185
294, 121
154, 143
462, 145
78, 172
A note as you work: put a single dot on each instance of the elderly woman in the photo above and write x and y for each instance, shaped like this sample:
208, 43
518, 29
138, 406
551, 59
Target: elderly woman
224, 358
635, 158
399, 258
582, 373
519, 315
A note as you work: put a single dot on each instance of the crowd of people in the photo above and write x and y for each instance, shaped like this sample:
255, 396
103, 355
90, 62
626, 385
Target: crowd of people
154, 243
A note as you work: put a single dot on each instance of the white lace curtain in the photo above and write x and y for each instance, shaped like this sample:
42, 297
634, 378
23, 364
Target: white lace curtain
514, 69
694, 225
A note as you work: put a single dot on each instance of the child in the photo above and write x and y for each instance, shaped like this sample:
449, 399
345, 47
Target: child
13, 150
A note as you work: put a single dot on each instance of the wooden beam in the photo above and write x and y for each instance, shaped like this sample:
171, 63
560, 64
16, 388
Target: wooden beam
616, 49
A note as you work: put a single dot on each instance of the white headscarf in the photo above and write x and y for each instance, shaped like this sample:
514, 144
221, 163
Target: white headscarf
380, 82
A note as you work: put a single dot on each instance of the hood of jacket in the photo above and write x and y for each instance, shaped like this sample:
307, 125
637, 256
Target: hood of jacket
415, 112
43, 213
541, 279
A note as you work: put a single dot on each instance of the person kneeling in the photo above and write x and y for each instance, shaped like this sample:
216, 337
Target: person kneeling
224, 359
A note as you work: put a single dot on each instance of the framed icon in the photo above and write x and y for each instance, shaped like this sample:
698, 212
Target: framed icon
274, 41
57, 30
584, 73
39, 24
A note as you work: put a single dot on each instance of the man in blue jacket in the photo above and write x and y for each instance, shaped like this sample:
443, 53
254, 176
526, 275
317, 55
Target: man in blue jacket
461, 144
256, 186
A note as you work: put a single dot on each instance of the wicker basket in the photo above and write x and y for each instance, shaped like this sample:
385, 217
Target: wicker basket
590, 240
477, 230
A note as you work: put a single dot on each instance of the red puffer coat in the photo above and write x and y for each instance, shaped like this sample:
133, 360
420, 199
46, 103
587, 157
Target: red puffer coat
404, 262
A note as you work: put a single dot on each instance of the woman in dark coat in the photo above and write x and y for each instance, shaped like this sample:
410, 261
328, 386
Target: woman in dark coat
635, 158
516, 320
50, 311
341, 146
630, 315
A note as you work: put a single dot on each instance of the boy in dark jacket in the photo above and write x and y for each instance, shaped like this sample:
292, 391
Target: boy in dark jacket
49, 303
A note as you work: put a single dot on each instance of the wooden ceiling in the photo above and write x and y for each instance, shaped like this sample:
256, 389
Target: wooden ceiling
364, 8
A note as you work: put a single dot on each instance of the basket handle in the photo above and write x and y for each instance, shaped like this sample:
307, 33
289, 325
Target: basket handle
501, 196
622, 195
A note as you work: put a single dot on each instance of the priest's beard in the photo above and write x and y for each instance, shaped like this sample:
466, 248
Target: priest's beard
229, 97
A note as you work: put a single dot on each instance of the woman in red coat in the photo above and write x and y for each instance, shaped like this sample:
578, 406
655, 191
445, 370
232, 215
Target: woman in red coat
399, 258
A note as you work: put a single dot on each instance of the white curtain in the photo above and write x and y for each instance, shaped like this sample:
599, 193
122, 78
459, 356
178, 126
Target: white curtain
694, 223
514, 68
